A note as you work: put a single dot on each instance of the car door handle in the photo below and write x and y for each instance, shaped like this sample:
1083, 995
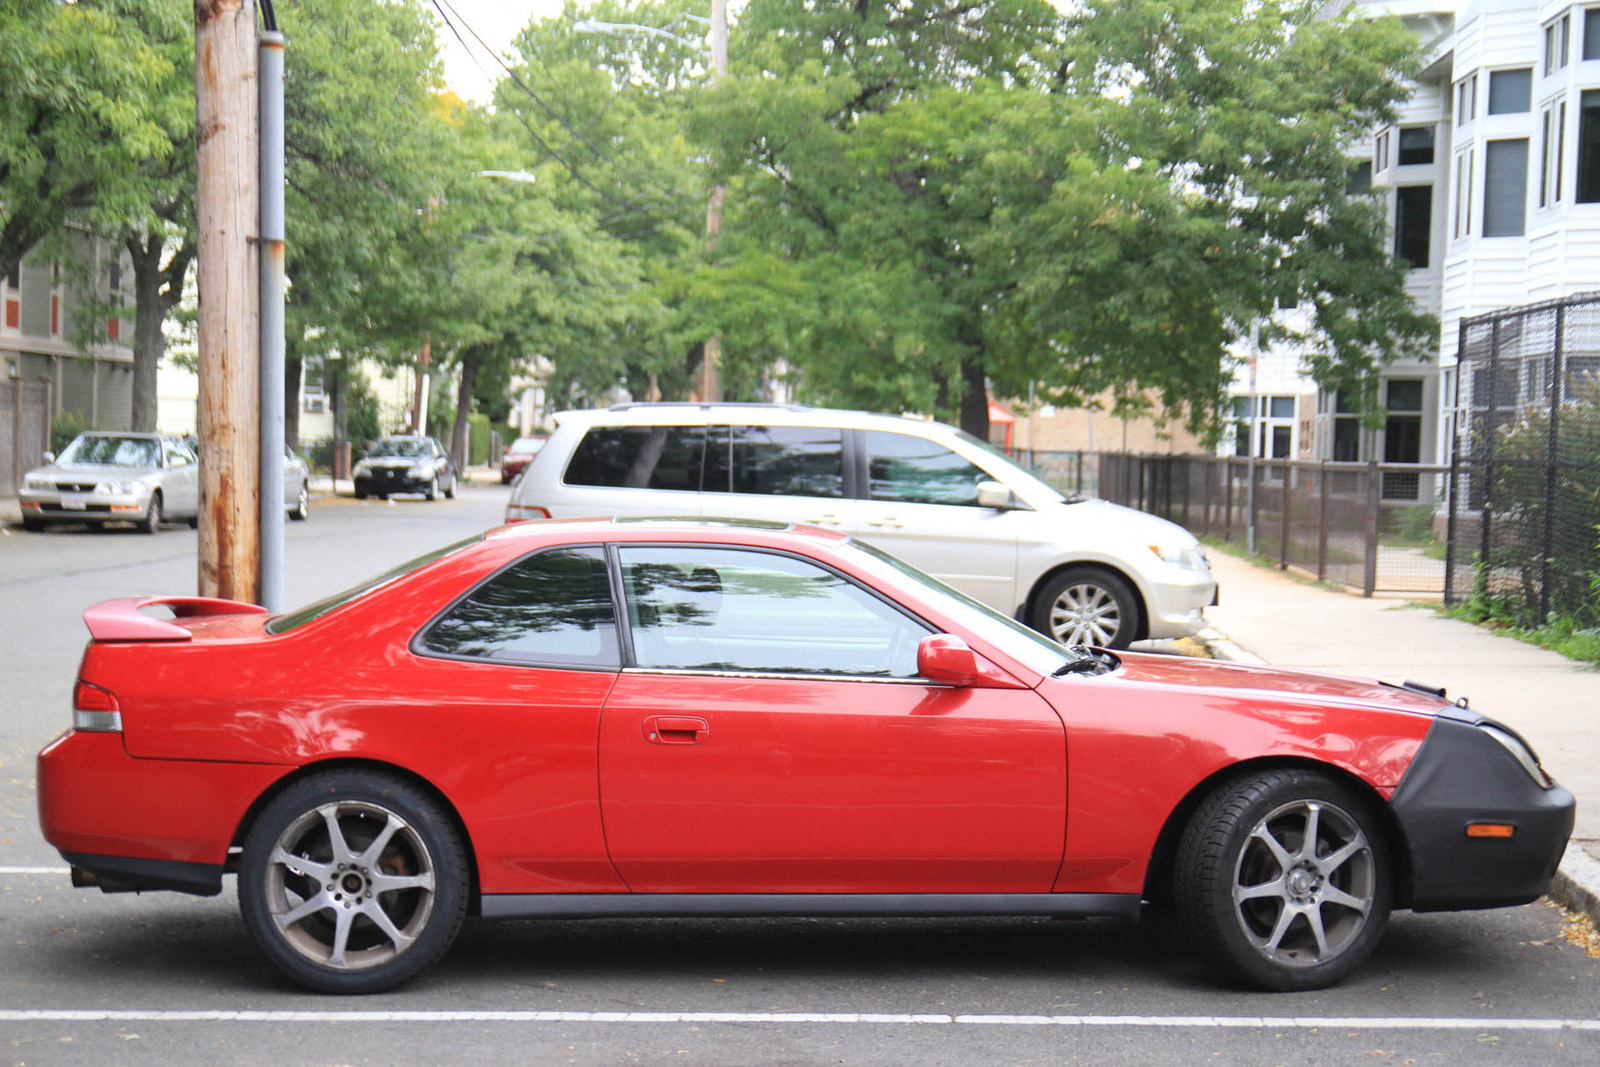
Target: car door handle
675, 729
889, 523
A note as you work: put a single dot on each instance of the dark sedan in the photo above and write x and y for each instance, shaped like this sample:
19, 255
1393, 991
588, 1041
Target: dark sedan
405, 463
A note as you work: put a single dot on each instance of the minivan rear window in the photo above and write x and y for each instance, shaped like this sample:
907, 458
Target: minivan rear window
639, 457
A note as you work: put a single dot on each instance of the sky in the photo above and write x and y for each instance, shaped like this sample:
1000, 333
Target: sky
496, 21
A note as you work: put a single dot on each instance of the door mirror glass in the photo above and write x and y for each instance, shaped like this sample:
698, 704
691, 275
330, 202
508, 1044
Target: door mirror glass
49, 457
993, 495
947, 660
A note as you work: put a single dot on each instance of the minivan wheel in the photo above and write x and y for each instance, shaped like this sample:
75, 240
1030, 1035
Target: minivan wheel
353, 881
1283, 879
1087, 606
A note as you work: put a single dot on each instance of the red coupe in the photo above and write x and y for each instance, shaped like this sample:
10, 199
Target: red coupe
647, 718
517, 456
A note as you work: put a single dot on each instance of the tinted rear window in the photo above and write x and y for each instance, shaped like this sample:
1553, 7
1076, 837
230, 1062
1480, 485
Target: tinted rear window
639, 457
776, 460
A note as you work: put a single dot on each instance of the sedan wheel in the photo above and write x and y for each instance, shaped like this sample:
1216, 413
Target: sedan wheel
1087, 606
152, 518
352, 882
433, 488
1284, 880
302, 504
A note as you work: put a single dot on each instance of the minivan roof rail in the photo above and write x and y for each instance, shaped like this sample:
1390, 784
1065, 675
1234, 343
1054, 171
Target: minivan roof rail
706, 405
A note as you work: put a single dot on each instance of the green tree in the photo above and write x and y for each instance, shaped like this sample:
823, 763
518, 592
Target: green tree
946, 195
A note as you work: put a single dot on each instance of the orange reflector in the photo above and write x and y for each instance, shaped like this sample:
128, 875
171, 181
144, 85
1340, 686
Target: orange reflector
1490, 829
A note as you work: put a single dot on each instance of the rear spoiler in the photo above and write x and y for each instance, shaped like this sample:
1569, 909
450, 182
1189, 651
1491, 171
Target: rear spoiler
121, 620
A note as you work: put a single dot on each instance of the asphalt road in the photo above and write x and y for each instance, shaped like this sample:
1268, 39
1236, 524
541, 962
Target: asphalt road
87, 978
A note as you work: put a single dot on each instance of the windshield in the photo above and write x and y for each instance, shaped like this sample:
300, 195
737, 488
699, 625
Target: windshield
110, 452
1031, 647
1013, 470
400, 447
299, 617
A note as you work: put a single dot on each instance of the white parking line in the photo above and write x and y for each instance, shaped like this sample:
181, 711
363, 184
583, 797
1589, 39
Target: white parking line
792, 1018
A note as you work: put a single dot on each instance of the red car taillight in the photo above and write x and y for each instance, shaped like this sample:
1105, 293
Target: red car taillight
524, 512
95, 709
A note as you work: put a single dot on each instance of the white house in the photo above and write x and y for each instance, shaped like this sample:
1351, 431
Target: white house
1491, 182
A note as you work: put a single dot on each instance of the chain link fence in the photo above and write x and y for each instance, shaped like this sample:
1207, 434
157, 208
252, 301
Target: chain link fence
1526, 476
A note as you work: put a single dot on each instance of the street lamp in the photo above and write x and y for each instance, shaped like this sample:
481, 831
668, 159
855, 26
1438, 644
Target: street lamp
710, 388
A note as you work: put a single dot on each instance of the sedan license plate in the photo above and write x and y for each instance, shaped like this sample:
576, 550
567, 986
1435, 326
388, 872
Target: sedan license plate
73, 502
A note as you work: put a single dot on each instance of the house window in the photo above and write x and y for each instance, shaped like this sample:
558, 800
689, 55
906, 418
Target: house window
1359, 179
1510, 91
1413, 224
1463, 215
1380, 152
1505, 188
12, 291
1466, 100
1346, 429
1553, 124
1557, 44
1591, 33
1402, 436
1416, 146
1589, 147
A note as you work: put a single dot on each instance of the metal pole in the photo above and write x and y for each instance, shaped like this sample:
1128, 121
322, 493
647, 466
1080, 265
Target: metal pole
270, 80
1250, 466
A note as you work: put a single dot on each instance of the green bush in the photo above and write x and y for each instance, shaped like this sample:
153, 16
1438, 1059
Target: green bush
477, 439
64, 427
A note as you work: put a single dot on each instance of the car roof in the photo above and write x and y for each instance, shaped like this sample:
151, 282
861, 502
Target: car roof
673, 414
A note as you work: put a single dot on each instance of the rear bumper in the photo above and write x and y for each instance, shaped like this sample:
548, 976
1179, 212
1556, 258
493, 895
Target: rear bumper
165, 823
1462, 776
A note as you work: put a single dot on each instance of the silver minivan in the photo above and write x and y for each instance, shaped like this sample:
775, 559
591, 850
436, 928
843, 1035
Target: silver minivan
1081, 571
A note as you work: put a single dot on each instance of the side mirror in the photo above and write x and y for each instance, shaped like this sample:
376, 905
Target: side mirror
994, 495
947, 660
49, 457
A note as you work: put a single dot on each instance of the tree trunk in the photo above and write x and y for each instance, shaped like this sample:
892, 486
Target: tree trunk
458, 434
291, 392
974, 399
149, 344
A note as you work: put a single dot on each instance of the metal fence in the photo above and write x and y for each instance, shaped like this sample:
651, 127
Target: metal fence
1072, 473
1526, 495
1339, 522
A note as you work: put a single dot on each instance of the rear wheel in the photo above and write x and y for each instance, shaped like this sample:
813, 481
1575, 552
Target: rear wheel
1284, 880
1087, 606
302, 504
450, 487
353, 882
152, 518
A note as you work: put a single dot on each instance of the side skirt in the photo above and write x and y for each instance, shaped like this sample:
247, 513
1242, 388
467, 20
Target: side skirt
769, 905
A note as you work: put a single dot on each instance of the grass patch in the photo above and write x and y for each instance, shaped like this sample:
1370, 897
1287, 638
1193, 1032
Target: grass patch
1558, 634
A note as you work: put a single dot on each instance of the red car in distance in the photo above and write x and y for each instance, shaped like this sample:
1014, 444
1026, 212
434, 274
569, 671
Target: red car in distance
586, 718
517, 456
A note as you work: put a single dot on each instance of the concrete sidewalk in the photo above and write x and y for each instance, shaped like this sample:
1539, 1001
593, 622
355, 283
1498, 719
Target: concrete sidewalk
1267, 616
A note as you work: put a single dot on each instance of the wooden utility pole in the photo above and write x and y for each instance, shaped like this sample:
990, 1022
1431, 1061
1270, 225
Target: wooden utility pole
228, 194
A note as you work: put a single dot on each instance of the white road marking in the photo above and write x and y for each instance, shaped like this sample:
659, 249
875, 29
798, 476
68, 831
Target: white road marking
791, 1018
35, 870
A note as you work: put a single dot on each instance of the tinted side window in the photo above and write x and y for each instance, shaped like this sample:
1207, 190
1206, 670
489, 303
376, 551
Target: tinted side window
552, 608
909, 469
701, 608
639, 457
779, 460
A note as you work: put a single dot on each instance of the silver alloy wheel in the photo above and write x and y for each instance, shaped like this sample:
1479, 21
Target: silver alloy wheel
1304, 883
302, 504
350, 885
1085, 613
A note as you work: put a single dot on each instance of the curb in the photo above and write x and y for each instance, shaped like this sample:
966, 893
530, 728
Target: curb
1576, 885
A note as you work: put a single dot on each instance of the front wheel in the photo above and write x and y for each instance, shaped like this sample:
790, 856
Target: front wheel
432, 492
450, 487
353, 882
152, 518
1087, 606
1284, 879
302, 504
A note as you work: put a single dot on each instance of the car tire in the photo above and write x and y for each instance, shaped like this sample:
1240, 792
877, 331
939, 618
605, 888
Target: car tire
152, 518
31, 524
450, 487
1087, 606
353, 881
194, 521
432, 492
302, 505
1268, 903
